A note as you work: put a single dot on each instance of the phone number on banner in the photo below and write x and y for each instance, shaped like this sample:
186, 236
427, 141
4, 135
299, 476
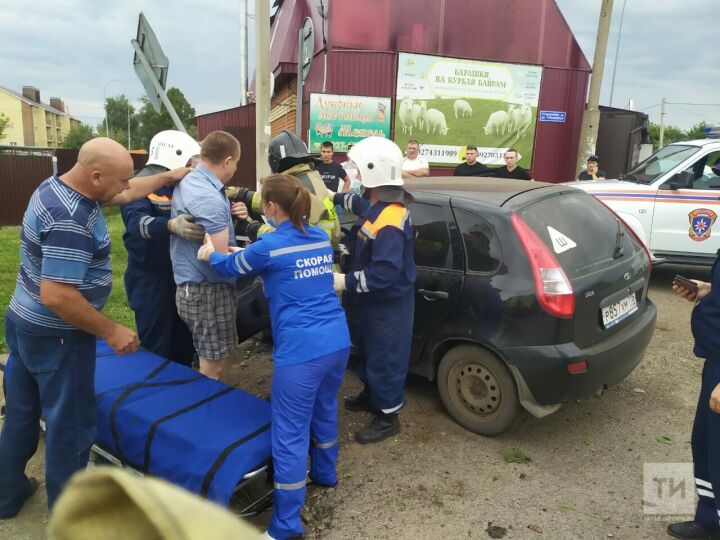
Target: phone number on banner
440, 153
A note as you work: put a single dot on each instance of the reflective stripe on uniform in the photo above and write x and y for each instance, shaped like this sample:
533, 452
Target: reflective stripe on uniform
144, 226
393, 410
703, 483
296, 249
256, 202
705, 493
325, 445
330, 207
361, 282
288, 487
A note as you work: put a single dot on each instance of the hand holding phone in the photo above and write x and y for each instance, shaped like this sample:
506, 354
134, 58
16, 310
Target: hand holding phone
682, 281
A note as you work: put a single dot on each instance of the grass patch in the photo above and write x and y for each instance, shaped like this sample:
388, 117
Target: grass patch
516, 456
117, 306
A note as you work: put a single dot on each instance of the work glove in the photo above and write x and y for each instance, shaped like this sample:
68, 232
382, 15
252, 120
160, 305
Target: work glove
206, 249
183, 227
338, 282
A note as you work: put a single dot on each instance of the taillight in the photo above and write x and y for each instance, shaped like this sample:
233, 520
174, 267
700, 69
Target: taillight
552, 286
632, 232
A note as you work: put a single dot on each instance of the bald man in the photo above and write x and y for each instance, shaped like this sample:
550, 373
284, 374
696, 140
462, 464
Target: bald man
55, 315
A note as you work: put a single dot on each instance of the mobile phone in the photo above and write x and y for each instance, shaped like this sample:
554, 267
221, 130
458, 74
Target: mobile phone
682, 281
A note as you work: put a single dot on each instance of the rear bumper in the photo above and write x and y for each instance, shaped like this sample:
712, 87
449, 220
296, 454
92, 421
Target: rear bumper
543, 369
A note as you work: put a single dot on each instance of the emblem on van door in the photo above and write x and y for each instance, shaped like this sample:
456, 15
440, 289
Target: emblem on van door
627, 276
701, 222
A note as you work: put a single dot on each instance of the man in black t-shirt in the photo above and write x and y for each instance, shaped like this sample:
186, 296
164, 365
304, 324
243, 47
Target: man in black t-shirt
511, 170
471, 167
333, 175
592, 171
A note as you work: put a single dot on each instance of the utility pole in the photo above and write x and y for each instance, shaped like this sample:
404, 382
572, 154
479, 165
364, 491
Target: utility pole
262, 88
617, 52
591, 118
662, 122
243, 53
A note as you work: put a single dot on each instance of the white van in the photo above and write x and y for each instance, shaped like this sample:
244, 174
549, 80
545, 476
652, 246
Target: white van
671, 200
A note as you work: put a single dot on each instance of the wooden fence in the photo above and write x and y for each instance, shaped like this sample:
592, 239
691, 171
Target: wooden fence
22, 171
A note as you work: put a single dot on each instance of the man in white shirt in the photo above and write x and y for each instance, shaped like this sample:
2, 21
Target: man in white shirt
414, 165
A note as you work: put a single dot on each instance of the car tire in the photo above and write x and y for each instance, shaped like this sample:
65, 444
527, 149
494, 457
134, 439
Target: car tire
477, 390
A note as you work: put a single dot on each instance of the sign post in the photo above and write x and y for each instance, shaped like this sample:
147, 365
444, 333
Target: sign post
151, 66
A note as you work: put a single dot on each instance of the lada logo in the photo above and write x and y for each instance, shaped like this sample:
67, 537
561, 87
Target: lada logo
701, 222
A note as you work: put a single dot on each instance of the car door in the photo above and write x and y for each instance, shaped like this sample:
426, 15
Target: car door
439, 274
686, 220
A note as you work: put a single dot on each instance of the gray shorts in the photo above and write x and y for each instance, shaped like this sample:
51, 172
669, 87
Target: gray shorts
208, 309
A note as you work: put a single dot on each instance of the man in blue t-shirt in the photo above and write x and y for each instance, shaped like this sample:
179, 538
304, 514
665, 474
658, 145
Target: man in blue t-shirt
207, 302
333, 175
55, 315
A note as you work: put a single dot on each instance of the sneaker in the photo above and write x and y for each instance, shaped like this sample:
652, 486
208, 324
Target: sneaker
381, 427
691, 530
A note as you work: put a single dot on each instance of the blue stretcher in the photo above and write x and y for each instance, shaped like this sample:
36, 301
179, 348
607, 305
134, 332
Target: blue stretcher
162, 418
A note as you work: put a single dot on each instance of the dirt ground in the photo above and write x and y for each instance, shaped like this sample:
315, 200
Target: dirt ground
583, 478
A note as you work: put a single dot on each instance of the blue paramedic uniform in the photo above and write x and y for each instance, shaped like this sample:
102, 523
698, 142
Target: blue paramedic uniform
380, 294
149, 279
312, 344
705, 441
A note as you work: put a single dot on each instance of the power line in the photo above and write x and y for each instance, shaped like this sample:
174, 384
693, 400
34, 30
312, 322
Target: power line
695, 104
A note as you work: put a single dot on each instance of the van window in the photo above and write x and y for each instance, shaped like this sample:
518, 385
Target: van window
664, 160
482, 246
580, 231
704, 177
432, 237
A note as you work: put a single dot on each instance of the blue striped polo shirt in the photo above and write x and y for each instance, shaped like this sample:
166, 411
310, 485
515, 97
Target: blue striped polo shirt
64, 238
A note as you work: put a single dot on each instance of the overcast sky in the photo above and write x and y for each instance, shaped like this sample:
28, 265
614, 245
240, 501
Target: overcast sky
75, 48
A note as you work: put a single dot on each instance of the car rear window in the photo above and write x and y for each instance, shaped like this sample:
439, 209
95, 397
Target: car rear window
581, 232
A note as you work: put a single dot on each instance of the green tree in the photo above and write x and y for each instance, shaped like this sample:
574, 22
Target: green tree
672, 134
151, 122
696, 132
119, 111
78, 135
3, 122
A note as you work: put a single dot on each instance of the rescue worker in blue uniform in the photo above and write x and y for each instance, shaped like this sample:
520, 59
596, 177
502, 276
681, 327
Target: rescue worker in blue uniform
379, 285
705, 440
149, 282
312, 344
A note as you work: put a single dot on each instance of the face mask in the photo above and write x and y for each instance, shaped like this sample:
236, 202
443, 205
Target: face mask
271, 222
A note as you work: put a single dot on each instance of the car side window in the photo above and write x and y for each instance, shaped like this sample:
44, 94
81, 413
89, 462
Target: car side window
704, 177
482, 246
432, 236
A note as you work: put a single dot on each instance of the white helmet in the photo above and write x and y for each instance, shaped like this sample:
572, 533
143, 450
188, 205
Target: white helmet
172, 149
379, 162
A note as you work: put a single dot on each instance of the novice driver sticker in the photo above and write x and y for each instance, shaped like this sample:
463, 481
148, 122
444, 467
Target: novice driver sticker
701, 222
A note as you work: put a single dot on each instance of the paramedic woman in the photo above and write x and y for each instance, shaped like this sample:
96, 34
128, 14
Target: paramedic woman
312, 344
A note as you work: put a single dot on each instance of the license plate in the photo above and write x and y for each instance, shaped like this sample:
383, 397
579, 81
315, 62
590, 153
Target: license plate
614, 313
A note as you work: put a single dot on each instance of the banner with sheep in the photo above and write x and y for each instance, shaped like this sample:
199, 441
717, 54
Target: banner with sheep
448, 103
344, 120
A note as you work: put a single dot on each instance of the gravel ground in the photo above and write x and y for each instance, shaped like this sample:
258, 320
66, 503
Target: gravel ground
582, 475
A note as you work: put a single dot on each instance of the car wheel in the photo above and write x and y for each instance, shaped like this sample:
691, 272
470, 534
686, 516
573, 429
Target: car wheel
477, 390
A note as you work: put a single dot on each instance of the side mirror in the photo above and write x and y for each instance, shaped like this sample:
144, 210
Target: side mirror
681, 180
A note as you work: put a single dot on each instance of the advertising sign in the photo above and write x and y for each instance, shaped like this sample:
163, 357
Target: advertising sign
448, 103
344, 120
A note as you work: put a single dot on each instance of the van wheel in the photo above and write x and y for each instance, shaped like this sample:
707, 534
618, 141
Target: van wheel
477, 390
